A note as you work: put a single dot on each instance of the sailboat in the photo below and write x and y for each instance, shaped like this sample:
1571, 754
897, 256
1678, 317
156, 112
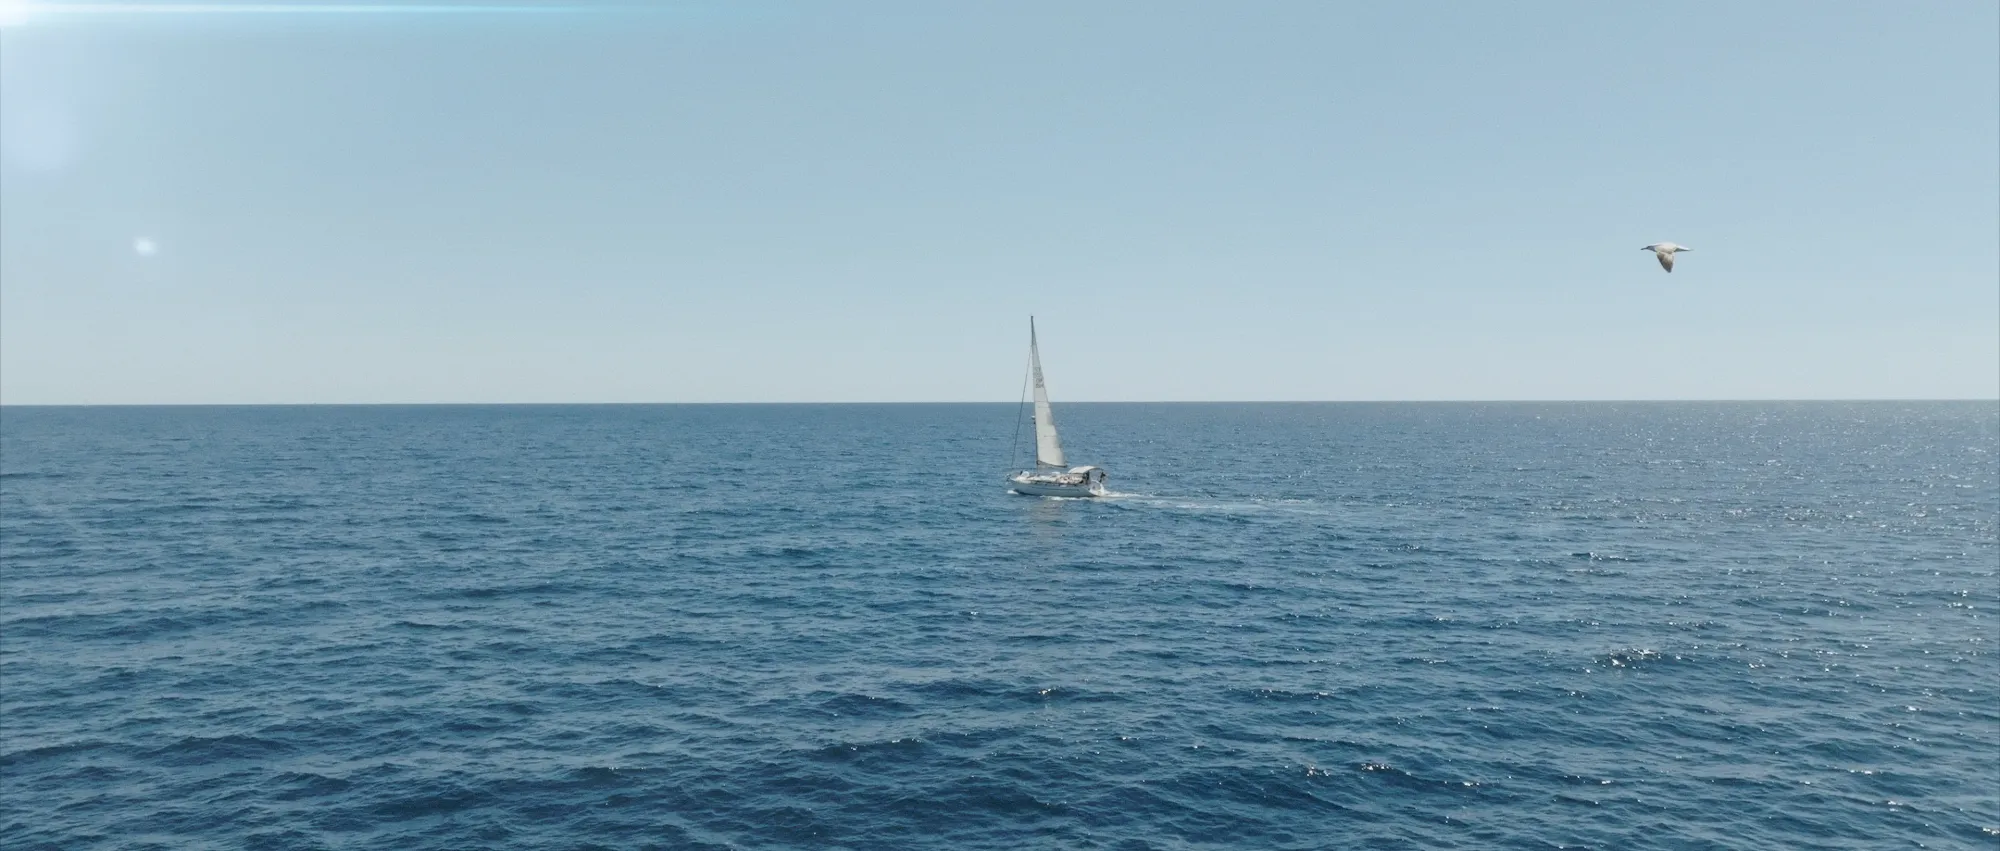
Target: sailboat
1052, 475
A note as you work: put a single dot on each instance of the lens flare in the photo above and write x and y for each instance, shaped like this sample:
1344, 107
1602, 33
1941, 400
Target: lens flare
14, 13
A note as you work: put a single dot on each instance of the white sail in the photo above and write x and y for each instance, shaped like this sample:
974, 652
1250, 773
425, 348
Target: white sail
1048, 447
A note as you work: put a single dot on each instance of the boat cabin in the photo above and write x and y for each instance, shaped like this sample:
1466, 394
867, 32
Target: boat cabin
1082, 475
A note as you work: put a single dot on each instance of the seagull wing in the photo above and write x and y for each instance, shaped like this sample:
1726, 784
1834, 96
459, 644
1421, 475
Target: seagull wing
1666, 259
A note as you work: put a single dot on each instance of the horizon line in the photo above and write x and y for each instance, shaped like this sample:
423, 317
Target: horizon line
463, 404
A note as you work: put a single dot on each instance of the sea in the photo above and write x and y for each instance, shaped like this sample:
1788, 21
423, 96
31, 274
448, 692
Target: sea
1743, 625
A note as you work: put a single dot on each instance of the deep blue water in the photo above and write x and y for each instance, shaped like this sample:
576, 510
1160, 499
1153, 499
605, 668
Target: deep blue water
1615, 626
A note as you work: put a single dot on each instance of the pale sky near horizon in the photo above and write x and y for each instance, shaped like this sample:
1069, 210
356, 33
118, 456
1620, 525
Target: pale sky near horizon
793, 201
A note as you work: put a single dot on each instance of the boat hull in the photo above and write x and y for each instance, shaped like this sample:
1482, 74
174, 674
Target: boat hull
1028, 488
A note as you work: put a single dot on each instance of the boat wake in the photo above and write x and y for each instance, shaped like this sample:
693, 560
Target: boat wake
1221, 505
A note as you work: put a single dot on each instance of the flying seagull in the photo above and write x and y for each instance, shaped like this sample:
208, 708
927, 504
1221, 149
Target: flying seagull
1665, 251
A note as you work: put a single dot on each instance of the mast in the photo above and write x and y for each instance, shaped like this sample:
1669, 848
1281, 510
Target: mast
1048, 446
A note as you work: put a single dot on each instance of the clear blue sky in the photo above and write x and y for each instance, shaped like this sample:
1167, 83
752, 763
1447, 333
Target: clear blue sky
812, 201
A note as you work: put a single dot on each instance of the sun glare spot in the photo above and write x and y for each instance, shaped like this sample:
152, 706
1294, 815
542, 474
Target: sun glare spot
14, 13
17, 12
144, 247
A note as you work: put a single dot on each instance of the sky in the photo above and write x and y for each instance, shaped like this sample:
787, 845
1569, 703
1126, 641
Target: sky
810, 201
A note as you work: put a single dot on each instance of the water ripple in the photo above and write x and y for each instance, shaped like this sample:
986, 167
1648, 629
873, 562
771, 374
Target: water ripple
1450, 626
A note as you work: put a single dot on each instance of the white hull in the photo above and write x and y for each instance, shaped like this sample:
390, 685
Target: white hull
1027, 487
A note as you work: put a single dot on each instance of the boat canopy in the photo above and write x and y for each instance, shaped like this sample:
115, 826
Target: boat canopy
1083, 469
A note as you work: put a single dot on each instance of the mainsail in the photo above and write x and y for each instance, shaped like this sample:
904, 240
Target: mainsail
1048, 447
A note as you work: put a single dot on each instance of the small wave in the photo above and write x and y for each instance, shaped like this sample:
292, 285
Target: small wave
205, 750
1407, 779
1635, 657
854, 751
420, 625
865, 706
451, 800
1290, 695
600, 776
1593, 555
496, 592
995, 693
956, 690
300, 785
790, 553
15, 759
